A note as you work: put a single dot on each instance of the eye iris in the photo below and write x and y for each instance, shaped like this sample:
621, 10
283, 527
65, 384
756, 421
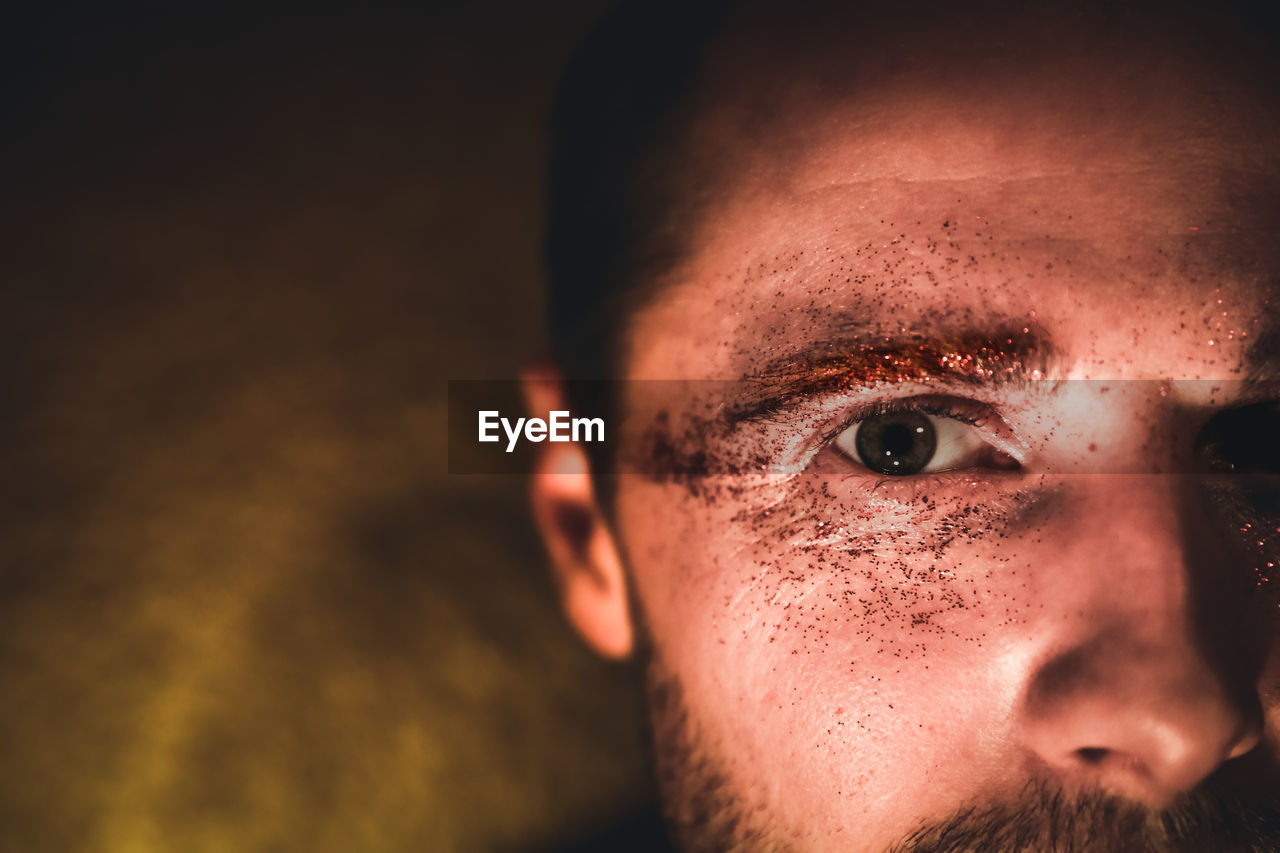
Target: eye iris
896, 442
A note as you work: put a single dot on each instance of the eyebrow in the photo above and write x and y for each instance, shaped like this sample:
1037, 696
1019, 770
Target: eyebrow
1015, 356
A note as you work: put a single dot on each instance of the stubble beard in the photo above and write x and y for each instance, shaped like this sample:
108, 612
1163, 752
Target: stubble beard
702, 808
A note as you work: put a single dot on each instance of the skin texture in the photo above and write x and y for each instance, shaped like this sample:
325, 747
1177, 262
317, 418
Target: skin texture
838, 658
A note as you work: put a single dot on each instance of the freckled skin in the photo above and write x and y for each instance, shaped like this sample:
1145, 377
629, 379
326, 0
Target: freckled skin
855, 655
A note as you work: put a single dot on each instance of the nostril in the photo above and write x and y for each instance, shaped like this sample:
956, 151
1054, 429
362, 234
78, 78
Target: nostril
1092, 755
1101, 762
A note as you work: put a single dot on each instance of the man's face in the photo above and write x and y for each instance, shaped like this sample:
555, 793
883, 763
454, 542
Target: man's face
1045, 296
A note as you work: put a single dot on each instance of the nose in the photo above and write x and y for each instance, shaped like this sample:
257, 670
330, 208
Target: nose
1128, 696
1142, 721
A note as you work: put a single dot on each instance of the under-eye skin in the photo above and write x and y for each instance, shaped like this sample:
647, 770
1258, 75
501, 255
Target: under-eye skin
910, 437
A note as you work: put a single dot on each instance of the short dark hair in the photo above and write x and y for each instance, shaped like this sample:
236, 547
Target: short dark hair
614, 124
611, 224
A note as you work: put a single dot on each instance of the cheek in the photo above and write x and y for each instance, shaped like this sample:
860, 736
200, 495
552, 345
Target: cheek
826, 641
890, 558
820, 587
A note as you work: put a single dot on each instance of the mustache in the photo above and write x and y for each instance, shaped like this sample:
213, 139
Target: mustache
1047, 819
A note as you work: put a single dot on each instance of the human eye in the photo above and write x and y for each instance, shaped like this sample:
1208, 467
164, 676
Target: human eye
1242, 440
926, 436
1241, 443
1238, 448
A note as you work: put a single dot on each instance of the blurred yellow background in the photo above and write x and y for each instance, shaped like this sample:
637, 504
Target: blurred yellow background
243, 605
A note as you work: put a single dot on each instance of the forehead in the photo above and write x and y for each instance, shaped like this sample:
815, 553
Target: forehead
996, 173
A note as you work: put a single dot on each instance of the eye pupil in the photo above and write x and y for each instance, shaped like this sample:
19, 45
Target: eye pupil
900, 443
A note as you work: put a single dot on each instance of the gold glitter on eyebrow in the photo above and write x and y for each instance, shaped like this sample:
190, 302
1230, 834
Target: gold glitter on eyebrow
970, 358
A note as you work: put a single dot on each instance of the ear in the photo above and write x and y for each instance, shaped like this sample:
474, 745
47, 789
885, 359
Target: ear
585, 556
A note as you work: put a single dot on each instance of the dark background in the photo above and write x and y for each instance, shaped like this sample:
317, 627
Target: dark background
242, 604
